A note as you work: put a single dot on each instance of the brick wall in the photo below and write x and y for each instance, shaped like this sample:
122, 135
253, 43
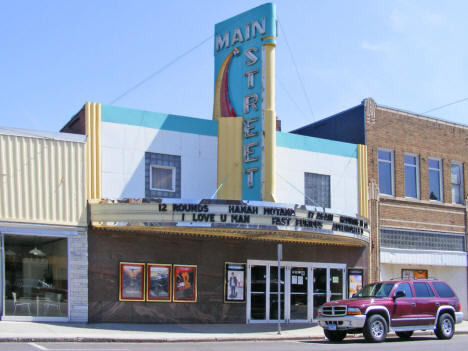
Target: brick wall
408, 133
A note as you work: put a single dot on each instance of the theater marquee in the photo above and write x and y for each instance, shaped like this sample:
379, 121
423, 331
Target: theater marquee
215, 215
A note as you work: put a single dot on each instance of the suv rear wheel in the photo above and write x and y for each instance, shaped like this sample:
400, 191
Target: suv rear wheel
404, 334
445, 327
375, 329
335, 335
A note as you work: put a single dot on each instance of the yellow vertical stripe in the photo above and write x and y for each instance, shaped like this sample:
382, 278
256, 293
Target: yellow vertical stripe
93, 150
362, 181
270, 123
230, 158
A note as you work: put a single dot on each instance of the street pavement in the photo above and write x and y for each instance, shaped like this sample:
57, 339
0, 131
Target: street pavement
115, 332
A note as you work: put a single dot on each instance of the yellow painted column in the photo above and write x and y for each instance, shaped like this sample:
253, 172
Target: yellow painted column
93, 150
270, 120
230, 158
362, 181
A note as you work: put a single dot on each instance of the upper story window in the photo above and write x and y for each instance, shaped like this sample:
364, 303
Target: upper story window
317, 190
435, 179
456, 170
162, 175
411, 176
386, 182
162, 178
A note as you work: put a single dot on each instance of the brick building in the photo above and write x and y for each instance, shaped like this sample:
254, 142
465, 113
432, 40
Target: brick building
417, 172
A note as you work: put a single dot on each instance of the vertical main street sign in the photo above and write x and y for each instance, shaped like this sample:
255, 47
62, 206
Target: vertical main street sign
244, 104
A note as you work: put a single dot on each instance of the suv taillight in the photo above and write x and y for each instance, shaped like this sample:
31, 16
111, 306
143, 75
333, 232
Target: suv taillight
458, 307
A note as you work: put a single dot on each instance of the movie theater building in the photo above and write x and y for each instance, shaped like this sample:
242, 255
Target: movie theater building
187, 214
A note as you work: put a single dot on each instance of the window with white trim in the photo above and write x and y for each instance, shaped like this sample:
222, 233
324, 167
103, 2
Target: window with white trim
411, 176
435, 179
386, 180
456, 179
162, 178
162, 175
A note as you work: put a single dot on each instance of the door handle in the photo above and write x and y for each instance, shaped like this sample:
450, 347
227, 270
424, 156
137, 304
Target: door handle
437, 303
413, 304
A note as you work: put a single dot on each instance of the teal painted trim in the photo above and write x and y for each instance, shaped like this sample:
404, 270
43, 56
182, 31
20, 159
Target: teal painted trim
159, 120
324, 146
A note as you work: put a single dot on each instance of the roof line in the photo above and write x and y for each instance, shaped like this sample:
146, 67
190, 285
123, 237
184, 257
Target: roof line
422, 116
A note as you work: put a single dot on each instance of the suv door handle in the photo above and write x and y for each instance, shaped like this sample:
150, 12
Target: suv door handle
413, 304
437, 303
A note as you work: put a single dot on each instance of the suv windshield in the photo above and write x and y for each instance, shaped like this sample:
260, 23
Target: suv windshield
375, 290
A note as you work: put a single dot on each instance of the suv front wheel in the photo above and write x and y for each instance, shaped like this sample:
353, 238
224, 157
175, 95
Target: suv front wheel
375, 329
445, 327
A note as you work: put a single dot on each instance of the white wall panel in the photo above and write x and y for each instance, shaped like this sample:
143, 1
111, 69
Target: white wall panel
291, 164
127, 144
423, 257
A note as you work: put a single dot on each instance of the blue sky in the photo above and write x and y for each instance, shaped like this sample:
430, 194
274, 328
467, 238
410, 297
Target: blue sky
56, 55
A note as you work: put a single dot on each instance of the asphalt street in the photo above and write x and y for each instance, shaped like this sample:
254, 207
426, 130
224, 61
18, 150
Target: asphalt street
426, 343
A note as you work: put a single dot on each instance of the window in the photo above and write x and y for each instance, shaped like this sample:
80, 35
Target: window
406, 288
435, 179
422, 290
162, 178
443, 289
36, 276
411, 176
385, 158
456, 171
162, 175
421, 240
317, 190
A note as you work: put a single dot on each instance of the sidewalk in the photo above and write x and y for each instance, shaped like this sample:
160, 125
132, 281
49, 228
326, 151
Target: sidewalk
106, 332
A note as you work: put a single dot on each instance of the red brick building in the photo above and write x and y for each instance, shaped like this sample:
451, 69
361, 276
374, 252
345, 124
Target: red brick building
417, 176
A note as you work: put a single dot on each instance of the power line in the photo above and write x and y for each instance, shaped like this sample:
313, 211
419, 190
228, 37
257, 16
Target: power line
297, 71
152, 75
291, 97
449, 104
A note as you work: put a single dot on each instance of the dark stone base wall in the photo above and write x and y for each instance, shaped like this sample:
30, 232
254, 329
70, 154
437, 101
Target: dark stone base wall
108, 248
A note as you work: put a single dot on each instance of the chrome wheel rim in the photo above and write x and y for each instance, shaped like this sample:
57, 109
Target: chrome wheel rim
377, 329
447, 326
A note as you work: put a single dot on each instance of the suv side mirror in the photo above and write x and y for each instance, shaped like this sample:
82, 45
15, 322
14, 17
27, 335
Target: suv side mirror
398, 294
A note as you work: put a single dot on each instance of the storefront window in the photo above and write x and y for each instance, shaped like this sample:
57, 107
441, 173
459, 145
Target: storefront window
36, 272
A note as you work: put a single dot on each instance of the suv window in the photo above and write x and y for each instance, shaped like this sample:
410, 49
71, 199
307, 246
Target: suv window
443, 289
405, 287
422, 289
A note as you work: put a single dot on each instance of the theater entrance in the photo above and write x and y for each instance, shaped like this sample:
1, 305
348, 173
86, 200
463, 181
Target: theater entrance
303, 287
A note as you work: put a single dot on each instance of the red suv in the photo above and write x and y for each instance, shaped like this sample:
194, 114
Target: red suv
401, 306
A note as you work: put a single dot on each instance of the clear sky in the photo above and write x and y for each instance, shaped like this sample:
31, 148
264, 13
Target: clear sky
56, 55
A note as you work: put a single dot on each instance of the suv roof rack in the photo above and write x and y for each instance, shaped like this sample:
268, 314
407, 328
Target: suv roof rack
400, 278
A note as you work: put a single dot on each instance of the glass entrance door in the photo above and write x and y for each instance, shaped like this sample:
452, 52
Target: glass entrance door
274, 293
336, 284
258, 292
298, 296
303, 288
320, 288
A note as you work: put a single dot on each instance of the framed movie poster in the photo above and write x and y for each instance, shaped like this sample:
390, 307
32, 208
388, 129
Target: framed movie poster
234, 282
132, 281
185, 283
159, 282
354, 281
